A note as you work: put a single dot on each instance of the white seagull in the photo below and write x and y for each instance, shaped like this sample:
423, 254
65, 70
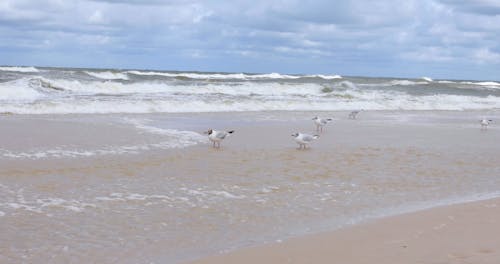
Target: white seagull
485, 123
217, 136
320, 123
353, 114
304, 139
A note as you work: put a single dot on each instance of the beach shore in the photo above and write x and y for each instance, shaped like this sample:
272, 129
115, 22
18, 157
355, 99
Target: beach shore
463, 233
149, 188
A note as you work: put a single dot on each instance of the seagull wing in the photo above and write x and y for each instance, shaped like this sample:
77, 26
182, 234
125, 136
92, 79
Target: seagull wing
307, 138
221, 134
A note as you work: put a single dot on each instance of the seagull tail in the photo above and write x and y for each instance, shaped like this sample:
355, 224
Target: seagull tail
230, 131
329, 119
316, 136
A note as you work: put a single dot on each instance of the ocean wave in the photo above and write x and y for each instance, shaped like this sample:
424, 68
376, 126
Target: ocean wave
19, 69
489, 84
157, 87
108, 75
232, 76
407, 82
340, 102
56, 91
219, 76
326, 77
18, 90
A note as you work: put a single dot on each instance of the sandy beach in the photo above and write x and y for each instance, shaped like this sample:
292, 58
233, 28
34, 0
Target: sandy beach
129, 189
464, 233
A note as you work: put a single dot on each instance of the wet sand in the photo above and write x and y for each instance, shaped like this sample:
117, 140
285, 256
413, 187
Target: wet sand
80, 188
465, 233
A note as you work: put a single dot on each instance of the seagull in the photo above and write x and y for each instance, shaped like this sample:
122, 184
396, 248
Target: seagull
304, 139
321, 122
485, 123
217, 136
353, 114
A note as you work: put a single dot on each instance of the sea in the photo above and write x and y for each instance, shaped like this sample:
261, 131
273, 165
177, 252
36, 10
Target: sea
40, 90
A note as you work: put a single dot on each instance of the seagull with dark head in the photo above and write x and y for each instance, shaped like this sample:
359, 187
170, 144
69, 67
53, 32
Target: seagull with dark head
485, 123
217, 136
303, 139
320, 123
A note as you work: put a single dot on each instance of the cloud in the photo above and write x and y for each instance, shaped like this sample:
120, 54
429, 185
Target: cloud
146, 2
485, 55
483, 7
345, 36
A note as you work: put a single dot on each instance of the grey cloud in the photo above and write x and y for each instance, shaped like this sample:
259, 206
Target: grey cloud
319, 32
145, 2
484, 7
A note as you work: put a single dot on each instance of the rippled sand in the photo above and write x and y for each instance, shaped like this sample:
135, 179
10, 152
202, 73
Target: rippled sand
116, 188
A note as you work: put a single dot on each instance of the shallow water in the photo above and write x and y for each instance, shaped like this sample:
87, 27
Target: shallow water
181, 199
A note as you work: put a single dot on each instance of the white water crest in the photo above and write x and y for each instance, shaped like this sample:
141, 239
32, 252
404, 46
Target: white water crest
108, 75
63, 91
18, 90
18, 69
241, 76
408, 82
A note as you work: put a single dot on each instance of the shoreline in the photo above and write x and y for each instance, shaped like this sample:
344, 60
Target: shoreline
464, 232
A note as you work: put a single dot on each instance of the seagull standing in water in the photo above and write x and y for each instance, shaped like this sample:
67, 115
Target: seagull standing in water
485, 123
320, 123
304, 139
217, 136
353, 114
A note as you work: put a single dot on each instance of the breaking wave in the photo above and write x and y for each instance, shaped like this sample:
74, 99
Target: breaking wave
108, 75
60, 91
18, 69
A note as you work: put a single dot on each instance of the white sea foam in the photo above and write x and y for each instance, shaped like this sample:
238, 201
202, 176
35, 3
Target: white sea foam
179, 140
487, 83
19, 69
17, 90
16, 200
407, 82
240, 76
63, 95
326, 77
366, 100
427, 79
117, 88
108, 75
226, 194
182, 138
172, 139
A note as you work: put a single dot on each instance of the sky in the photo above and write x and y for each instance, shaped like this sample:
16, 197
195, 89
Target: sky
442, 39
